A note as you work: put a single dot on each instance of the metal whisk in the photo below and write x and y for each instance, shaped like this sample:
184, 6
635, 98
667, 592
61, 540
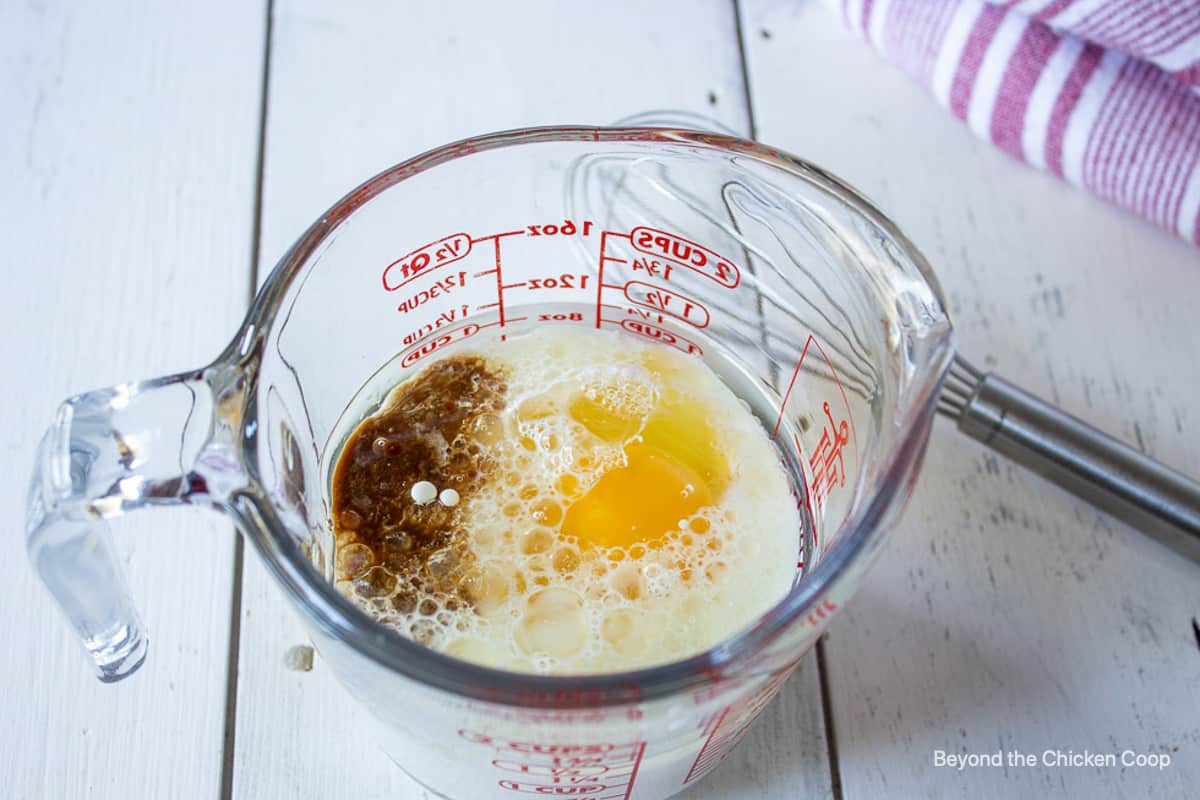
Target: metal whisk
1094, 466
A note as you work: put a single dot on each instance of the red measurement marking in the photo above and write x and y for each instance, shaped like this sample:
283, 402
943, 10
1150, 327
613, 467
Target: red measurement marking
642, 328
822, 612
687, 254
805, 502
667, 302
710, 693
653, 267
594, 791
433, 345
731, 726
447, 317
475, 737
564, 280
567, 228
813, 340
583, 770
791, 384
439, 288
826, 462
554, 790
601, 771
637, 763
600, 276
425, 259
499, 283
498, 235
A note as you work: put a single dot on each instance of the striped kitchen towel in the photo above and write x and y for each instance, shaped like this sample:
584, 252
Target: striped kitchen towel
1103, 93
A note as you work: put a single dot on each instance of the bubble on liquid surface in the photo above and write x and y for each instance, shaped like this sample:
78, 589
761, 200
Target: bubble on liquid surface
553, 624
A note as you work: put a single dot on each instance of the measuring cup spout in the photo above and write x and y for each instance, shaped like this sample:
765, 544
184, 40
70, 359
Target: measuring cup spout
161, 442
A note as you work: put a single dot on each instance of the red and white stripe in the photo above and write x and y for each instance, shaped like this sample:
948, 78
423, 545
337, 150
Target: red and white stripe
1164, 32
1104, 93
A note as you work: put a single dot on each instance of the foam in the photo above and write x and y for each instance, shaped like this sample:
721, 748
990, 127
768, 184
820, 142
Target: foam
514, 590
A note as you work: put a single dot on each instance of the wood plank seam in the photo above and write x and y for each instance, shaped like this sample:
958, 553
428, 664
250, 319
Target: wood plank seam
235, 603
831, 756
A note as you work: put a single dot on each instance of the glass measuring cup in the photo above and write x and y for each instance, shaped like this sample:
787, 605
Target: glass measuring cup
807, 302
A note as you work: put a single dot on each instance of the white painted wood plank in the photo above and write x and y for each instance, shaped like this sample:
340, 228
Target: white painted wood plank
784, 756
1006, 614
127, 169
361, 86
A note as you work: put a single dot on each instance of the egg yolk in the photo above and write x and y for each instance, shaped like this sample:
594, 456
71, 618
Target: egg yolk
672, 470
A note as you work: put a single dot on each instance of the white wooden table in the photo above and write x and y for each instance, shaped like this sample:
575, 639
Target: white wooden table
158, 158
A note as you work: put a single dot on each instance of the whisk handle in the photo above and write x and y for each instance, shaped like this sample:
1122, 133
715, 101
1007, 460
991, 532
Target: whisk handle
1094, 466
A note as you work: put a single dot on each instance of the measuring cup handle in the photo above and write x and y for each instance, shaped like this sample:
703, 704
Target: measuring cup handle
1093, 465
109, 451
